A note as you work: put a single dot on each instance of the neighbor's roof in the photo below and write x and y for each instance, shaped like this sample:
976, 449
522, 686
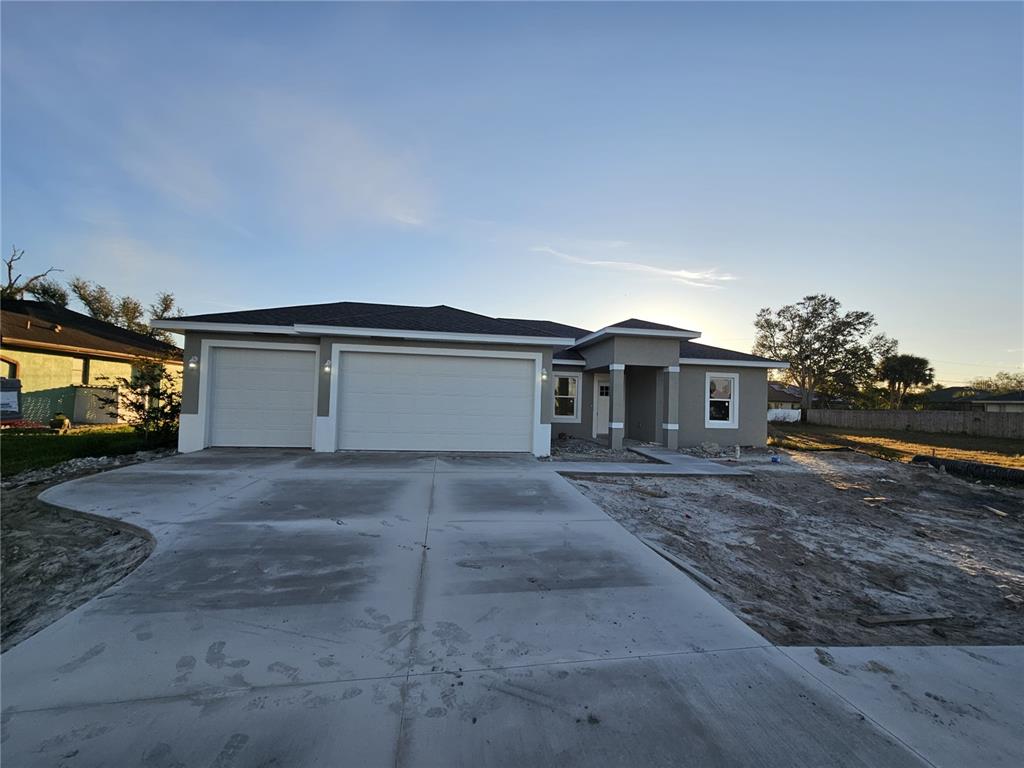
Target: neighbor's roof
778, 395
1006, 397
48, 326
955, 394
696, 351
395, 317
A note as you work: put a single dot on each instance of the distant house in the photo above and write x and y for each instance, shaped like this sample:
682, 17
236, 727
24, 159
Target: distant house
780, 398
63, 359
1009, 402
954, 399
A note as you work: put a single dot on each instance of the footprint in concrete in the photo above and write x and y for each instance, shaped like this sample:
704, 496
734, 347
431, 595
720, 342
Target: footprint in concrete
185, 667
437, 712
142, 631
161, 755
216, 658
292, 673
235, 744
351, 693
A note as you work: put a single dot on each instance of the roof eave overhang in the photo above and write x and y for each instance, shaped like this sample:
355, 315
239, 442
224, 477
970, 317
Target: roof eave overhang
613, 330
185, 326
733, 363
171, 356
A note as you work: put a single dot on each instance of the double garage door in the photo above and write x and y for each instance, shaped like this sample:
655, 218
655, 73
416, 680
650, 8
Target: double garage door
385, 401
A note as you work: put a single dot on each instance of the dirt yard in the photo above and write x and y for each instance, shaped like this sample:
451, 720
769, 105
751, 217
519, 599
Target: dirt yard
574, 449
803, 549
53, 560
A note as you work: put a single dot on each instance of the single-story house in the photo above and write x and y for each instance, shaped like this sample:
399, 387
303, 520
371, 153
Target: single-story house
1008, 402
65, 360
954, 399
363, 376
780, 398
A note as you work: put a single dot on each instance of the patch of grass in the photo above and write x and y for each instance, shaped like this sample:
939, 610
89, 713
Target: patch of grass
20, 452
898, 445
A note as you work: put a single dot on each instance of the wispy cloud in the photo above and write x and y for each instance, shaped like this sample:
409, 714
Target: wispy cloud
705, 278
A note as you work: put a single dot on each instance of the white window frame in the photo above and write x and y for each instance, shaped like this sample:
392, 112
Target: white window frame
577, 416
734, 407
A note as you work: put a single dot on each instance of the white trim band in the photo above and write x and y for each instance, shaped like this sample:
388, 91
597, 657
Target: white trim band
670, 426
617, 367
672, 369
734, 363
616, 425
557, 361
612, 329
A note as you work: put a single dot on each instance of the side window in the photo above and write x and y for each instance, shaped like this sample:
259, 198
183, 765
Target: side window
722, 401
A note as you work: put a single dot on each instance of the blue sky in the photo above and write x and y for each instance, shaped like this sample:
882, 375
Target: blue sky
683, 163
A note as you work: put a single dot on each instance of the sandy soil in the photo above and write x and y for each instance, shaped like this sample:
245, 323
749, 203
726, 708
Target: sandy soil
801, 549
53, 560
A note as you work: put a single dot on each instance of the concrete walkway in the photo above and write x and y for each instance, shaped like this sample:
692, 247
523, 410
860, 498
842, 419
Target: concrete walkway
405, 610
669, 464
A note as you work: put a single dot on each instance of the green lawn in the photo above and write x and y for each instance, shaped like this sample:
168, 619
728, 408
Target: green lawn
19, 452
898, 445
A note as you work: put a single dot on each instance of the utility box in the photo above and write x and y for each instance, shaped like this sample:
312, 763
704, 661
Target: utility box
10, 399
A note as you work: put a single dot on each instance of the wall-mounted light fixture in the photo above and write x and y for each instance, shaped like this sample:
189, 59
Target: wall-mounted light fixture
327, 365
543, 374
193, 362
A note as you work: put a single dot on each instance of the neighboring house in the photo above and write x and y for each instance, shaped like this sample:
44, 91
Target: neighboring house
383, 377
781, 399
954, 399
783, 405
1009, 402
64, 359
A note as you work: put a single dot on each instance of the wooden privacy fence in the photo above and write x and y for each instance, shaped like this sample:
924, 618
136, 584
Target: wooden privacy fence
1009, 425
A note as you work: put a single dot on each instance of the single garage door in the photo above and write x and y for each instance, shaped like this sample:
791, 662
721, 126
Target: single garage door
401, 402
262, 397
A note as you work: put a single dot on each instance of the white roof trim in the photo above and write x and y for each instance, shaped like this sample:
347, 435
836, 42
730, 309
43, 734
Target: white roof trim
334, 330
559, 361
733, 363
190, 325
650, 332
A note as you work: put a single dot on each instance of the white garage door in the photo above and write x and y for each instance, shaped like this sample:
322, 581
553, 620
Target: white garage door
398, 402
262, 397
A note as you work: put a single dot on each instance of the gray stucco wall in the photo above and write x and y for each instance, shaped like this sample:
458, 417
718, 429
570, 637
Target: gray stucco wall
193, 346
753, 407
642, 403
632, 350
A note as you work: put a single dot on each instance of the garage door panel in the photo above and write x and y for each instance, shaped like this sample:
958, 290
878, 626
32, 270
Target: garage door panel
431, 402
262, 397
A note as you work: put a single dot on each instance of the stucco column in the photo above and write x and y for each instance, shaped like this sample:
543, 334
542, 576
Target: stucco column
616, 405
671, 410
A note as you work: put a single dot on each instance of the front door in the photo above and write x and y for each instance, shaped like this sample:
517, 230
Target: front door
601, 400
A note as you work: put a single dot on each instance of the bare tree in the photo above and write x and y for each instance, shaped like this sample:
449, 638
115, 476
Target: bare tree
16, 287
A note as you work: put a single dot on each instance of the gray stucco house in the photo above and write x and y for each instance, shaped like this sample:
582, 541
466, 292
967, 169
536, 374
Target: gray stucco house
362, 376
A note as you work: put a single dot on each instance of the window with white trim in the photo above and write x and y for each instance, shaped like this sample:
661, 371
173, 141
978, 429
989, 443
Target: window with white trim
721, 400
567, 397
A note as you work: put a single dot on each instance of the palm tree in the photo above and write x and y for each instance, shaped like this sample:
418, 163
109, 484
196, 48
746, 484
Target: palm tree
901, 373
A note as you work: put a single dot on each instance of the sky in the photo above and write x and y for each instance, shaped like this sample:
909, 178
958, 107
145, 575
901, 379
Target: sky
686, 163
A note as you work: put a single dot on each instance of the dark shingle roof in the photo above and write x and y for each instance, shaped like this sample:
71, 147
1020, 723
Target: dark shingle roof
43, 323
549, 326
780, 395
1006, 397
352, 314
955, 394
646, 325
692, 349
564, 353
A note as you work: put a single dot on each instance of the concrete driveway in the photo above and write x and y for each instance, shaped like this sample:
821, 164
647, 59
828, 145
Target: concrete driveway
410, 610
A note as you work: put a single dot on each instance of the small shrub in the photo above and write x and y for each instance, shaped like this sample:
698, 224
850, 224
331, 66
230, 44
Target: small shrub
149, 401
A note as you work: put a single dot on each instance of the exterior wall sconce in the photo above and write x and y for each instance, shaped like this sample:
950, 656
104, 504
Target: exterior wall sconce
193, 362
543, 374
327, 365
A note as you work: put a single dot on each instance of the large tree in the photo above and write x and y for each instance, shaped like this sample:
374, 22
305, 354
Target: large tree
40, 285
827, 349
125, 311
903, 372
